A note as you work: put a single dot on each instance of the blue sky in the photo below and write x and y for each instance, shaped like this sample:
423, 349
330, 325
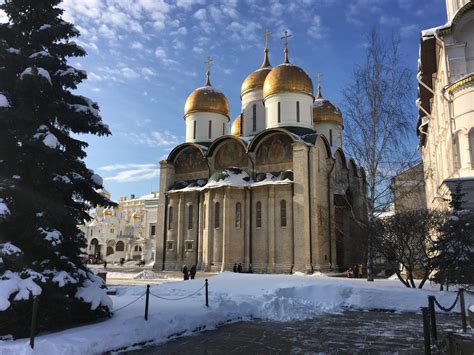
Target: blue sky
146, 56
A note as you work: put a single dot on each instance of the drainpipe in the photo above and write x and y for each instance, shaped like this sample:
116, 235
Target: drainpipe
310, 214
329, 212
165, 230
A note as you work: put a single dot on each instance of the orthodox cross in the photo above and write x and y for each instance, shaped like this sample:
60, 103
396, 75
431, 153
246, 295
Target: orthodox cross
267, 34
208, 73
285, 38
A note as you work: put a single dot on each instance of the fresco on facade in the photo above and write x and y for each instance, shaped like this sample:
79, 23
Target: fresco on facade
230, 154
189, 160
275, 150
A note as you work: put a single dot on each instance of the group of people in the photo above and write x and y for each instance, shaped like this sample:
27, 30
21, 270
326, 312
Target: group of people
355, 272
237, 268
189, 273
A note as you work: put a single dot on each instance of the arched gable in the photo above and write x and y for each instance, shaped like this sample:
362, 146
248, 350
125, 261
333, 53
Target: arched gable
188, 158
229, 154
352, 166
217, 142
265, 133
322, 142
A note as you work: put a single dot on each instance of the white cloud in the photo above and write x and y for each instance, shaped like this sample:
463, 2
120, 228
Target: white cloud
200, 14
198, 50
409, 30
389, 20
315, 30
137, 45
187, 4
129, 73
131, 172
148, 72
161, 53
154, 139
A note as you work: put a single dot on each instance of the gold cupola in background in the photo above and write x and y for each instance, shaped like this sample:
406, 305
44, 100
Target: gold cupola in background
287, 78
236, 128
255, 80
207, 99
324, 110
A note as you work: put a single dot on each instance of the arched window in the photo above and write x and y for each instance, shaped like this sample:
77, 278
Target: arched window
190, 217
254, 117
170, 217
471, 146
217, 215
109, 251
238, 214
297, 111
283, 213
258, 222
119, 246
279, 112
194, 129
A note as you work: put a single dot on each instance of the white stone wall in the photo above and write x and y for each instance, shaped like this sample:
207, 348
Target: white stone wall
218, 123
453, 7
288, 110
250, 99
329, 129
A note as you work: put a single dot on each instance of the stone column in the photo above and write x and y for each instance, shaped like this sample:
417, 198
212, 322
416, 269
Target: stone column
245, 222
180, 232
272, 220
225, 228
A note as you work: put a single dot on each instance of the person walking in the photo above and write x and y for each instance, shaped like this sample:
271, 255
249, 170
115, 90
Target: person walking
185, 273
239, 268
356, 271
105, 264
235, 267
350, 273
360, 268
192, 272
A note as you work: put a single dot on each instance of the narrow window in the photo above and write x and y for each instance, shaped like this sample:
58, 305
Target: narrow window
170, 245
330, 137
223, 129
283, 213
279, 112
170, 217
210, 129
471, 146
190, 217
254, 117
217, 215
258, 223
189, 245
297, 111
194, 129
238, 213
456, 151
152, 230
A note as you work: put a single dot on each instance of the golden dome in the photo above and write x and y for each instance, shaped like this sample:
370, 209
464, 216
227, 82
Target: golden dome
325, 111
256, 79
287, 78
207, 99
236, 128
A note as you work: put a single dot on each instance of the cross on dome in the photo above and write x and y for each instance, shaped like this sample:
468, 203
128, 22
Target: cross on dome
285, 38
208, 73
266, 62
319, 95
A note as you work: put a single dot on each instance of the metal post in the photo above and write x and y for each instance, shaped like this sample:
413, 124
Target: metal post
426, 330
207, 294
463, 310
431, 305
146, 301
34, 316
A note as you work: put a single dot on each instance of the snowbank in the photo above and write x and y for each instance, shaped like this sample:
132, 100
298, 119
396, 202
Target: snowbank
231, 297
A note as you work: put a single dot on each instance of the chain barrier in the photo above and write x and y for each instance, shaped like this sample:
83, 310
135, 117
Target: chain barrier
179, 298
119, 309
469, 292
448, 309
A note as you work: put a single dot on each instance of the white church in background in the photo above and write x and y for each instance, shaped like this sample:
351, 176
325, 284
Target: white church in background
446, 105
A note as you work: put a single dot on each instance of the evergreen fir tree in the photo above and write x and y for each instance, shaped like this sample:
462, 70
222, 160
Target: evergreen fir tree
454, 247
45, 186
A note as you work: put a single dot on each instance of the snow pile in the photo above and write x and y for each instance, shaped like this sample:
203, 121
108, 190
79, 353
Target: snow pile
4, 211
94, 292
9, 249
148, 275
54, 237
46, 137
62, 278
4, 101
231, 297
37, 71
40, 54
90, 107
11, 283
228, 177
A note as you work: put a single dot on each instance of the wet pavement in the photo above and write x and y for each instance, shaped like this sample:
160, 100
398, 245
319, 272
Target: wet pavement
352, 332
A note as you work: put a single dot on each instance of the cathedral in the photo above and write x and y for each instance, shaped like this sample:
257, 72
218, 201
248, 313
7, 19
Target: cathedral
277, 194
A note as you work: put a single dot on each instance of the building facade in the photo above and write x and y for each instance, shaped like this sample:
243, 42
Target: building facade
126, 232
446, 105
277, 194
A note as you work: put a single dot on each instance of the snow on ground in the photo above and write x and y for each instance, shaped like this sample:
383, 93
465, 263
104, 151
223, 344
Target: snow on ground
231, 297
